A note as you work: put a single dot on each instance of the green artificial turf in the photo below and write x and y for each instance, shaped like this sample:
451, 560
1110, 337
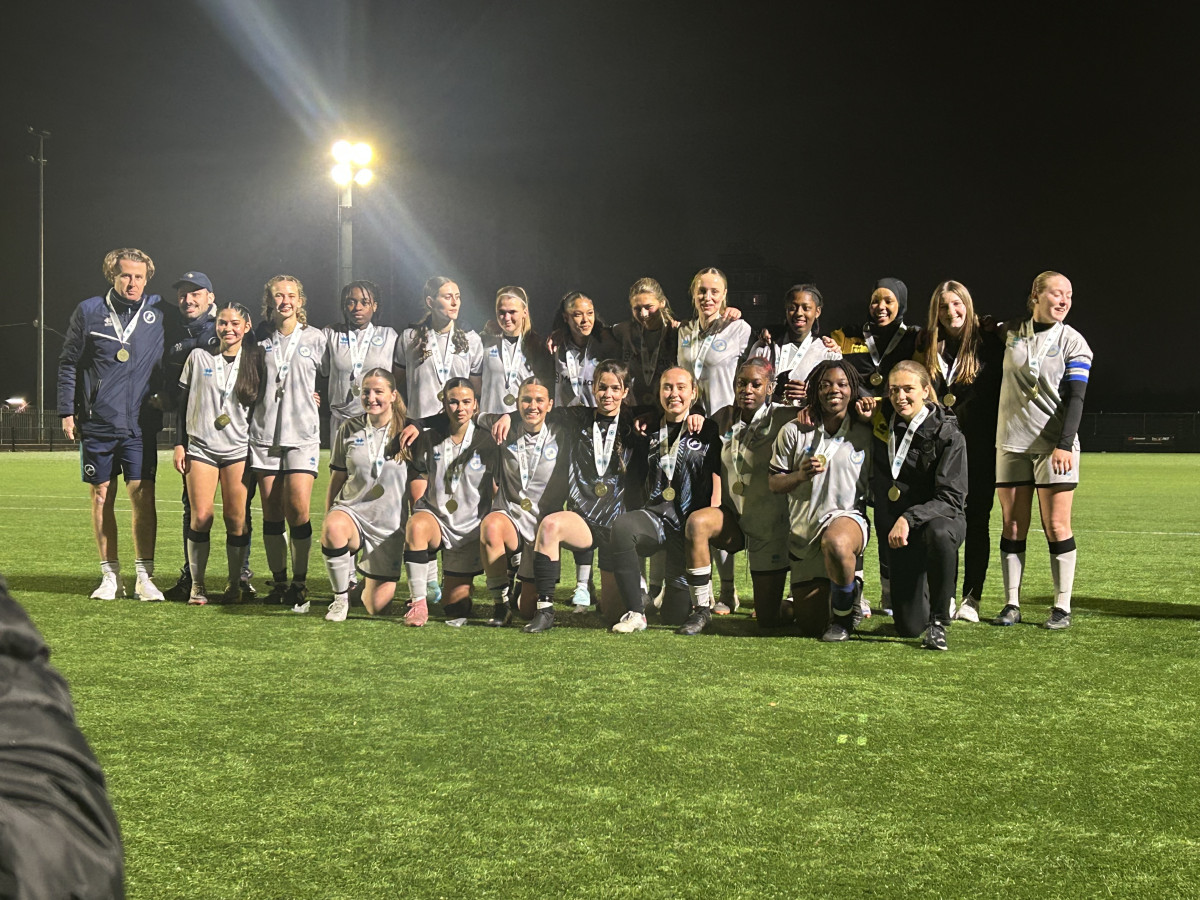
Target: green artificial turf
252, 752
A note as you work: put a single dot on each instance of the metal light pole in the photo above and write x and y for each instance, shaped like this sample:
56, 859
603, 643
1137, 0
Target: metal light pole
40, 162
351, 169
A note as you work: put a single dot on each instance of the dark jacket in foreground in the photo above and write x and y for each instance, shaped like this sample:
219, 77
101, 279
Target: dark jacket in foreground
58, 834
933, 479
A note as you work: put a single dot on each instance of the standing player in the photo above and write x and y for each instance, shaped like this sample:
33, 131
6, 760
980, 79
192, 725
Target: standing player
581, 341
919, 480
352, 348
683, 475
285, 435
966, 361
531, 477
512, 352
648, 342
604, 476
368, 472
435, 350
108, 371
220, 387
798, 349
450, 484
194, 326
824, 468
750, 516
1046, 368
710, 347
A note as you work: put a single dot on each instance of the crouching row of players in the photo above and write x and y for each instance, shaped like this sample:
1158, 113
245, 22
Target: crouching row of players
503, 494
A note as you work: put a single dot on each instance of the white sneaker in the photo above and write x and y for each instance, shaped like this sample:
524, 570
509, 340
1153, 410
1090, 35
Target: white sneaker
110, 588
338, 609
728, 603
146, 591
582, 596
969, 611
630, 622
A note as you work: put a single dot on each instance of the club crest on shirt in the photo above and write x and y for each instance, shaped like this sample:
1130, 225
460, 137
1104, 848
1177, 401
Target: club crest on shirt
694, 443
857, 456
377, 341
304, 351
550, 453
1053, 351
476, 463
719, 345
148, 316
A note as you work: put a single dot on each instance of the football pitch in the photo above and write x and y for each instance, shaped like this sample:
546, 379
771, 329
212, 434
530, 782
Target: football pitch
252, 752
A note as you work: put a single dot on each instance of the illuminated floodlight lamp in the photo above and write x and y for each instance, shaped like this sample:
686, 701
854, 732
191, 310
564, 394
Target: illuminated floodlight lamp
363, 177
343, 152
342, 174
361, 154
17, 403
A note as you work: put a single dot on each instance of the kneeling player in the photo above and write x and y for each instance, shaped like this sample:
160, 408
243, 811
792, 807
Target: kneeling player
366, 490
450, 484
824, 470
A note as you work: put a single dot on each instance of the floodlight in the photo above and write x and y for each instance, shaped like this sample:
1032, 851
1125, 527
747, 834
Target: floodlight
363, 177
342, 174
342, 151
361, 154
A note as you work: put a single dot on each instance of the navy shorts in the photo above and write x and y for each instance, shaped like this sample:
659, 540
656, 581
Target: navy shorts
102, 458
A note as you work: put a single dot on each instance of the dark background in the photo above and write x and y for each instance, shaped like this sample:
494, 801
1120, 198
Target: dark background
582, 145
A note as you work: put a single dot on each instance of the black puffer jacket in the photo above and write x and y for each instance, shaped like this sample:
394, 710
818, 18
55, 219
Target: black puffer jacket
933, 479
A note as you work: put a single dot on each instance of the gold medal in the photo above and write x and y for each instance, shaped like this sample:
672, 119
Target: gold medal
451, 505
526, 504
441, 396
669, 493
949, 399
738, 488
876, 379
1034, 392
820, 458
893, 493
222, 420
509, 399
600, 489
122, 355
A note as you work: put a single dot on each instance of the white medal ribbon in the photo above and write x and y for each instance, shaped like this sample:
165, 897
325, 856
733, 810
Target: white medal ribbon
790, 352
526, 467
667, 456
947, 373
123, 334
876, 356
376, 453
602, 448
441, 361
1049, 339
701, 352
739, 449
285, 363
575, 364
512, 363
649, 365
360, 345
230, 372
822, 442
453, 470
896, 454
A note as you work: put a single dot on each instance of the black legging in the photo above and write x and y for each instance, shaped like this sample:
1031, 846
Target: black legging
981, 495
640, 533
923, 574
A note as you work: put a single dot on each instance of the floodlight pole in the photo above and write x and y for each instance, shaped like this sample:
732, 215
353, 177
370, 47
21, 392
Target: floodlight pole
40, 162
346, 235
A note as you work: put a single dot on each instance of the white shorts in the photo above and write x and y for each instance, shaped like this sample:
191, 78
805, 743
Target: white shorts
464, 561
525, 569
285, 459
220, 461
382, 554
809, 564
1014, 469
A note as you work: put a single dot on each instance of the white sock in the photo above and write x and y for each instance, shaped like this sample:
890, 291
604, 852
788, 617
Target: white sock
144, 567
583, 575
432, 571
700, 586
725, 561
1062, 569
418, 583
339, 568
197, 554
110, 567
1012, 568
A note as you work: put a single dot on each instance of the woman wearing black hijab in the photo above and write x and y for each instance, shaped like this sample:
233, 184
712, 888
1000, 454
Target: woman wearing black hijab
873, 348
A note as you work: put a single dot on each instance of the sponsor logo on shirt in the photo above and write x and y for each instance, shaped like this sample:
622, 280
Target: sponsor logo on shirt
493, 352
208, 371
358, 440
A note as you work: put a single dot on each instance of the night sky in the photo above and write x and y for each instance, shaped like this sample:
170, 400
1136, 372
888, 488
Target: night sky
573, 145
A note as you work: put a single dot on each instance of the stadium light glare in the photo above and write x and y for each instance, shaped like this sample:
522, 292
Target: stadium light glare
342, 174
361, 154
343, 152
363, 177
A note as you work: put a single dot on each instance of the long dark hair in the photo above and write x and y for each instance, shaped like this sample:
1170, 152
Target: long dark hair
399, 412
250, 371
560, 330
421, 327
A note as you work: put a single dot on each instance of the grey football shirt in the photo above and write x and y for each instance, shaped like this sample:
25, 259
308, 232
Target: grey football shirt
286, 412
463, 358
1035, 366
206, 378
374, 347
462, 473
713, 359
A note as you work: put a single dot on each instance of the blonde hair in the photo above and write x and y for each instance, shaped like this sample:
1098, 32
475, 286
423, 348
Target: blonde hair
112, 262
268, 302
516, 293
1039, 285
711, 270
912, 367
968, 347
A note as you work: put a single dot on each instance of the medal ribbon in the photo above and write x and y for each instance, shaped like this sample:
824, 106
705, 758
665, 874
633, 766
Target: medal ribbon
1049, 340
701, 352
441, 362
667, 457
523, 463
511, 364
896, 454
123, 334
575, 365
876, 356
376, 454
790, 352
740, 451
454, 471
360, 345
822, 441
947, 373
649, 366
285, 364
230, 371
602, 449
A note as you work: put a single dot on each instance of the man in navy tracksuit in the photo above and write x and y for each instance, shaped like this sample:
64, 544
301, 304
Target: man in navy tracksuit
108, 372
